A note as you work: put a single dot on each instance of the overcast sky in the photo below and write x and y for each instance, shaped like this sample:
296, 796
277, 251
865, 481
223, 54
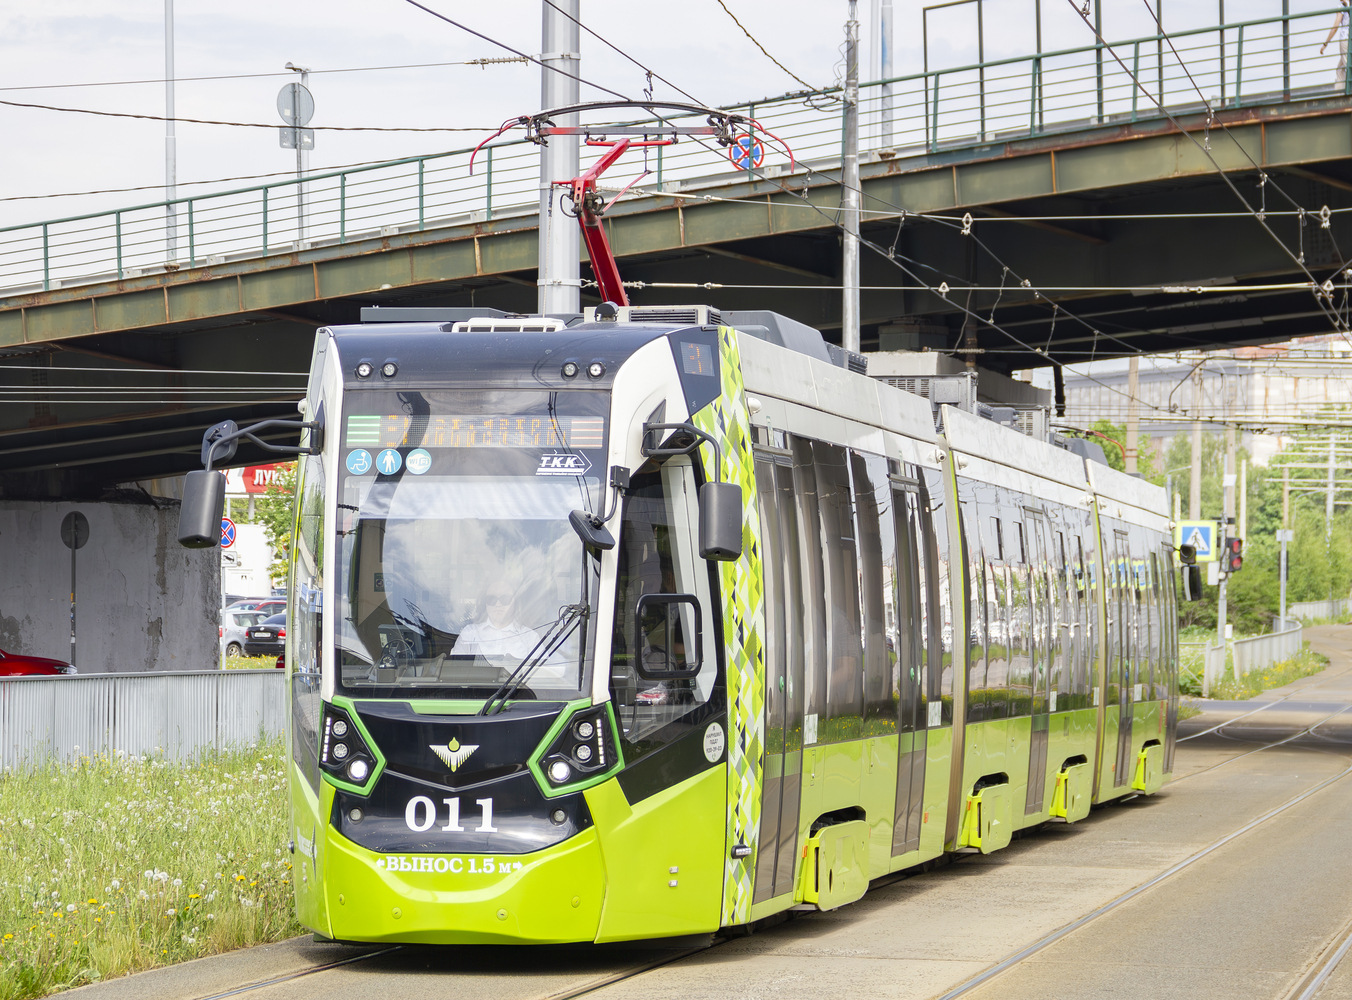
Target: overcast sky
693, 43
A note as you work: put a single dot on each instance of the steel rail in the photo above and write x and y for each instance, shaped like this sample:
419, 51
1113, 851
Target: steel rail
1048, 940
582, 989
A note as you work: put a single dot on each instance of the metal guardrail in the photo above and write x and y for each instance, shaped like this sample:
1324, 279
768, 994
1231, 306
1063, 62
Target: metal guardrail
174, 714
1260, 61
1263, 651
1320, 609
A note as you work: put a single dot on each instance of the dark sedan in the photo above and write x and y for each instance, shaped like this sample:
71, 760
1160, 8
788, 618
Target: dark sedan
266, 638
18, 665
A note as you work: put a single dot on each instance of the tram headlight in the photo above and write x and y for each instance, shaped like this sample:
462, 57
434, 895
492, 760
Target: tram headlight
596, 369
365, 369
343, 752
585, 747
389, 369
569, 369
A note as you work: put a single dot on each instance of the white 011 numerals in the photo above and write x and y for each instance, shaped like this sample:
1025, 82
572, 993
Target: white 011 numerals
421, 814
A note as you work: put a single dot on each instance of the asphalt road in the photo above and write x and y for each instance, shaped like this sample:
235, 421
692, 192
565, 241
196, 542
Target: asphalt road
1257, 915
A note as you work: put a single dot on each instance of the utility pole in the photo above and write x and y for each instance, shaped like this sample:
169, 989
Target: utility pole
1284, 536
1133, 414
1328, 507
170, 141
1227, 523
849, 179
1195, 485
559, 285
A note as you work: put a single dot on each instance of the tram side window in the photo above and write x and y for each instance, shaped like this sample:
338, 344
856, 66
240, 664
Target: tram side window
656, 557
908, 674
307, 587
976, 604
877, 562
939, 647
813, 585
1063, 641
1020, 626
776, 647
997, 621
844, 688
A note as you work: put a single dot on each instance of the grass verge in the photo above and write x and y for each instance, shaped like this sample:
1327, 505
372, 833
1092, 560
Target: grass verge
1303, 664
112, 865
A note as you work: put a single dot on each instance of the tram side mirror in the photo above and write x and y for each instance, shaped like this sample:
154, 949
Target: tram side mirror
199, 515
720, 521
592, 530
667, 635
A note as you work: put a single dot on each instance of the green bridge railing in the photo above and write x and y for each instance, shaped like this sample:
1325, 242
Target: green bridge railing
1253, 62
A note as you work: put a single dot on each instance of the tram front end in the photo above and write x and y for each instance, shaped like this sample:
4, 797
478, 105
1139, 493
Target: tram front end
506, 649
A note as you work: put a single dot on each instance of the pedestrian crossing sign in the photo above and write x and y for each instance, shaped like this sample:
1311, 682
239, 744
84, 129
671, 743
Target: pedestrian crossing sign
1201, 535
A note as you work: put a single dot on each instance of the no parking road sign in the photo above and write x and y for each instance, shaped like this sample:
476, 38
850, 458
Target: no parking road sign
227, 532
746, 152
1201, 535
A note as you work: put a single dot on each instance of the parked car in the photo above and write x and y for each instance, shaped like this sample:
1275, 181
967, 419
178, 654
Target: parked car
233, 624
266, 638
18, 665
267, 605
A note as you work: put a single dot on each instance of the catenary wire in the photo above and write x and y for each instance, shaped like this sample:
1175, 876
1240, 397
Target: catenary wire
1337, 321
755, 41
276, 73
209, 121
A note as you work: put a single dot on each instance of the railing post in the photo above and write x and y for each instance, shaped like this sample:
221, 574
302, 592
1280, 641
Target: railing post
1222, 31
934, 132
488, 213
342, 208
192, 244
1135, 76
117, 221
46, 261
1286, 50
265, 222
1239, 67
1033, 91
422, 164
659, 168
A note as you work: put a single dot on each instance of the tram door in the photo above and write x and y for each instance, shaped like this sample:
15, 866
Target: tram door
783, 746
1040, 648
1123, 625
910, 636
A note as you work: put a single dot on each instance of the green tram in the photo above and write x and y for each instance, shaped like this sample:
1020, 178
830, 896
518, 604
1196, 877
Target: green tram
658, 622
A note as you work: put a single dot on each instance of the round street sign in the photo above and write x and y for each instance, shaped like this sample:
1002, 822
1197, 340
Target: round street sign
295, 104
74, 530
227, 532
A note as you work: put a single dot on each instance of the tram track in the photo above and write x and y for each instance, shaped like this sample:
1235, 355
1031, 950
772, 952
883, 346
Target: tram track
565, 993
1331, 955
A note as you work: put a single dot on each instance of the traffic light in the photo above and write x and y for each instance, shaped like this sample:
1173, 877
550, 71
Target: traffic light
1232, 555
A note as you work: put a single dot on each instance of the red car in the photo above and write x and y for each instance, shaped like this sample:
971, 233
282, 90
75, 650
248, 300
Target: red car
17, 665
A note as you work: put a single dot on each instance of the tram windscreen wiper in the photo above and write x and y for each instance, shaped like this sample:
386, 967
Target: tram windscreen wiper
570, 616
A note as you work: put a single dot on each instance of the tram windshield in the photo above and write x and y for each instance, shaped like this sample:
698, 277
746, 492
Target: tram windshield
457, 565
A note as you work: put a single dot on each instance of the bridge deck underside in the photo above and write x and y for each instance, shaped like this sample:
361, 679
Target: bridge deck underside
1096, 270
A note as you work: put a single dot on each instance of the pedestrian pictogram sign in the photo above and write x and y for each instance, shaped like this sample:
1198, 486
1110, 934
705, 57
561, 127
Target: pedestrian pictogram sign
1201, 535
227, 532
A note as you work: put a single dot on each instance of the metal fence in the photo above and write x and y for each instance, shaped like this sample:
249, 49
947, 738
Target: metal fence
1319, 609
1263, 651
1233, 65
174, 714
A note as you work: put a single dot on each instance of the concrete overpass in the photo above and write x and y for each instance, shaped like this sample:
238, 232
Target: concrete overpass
124, 334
